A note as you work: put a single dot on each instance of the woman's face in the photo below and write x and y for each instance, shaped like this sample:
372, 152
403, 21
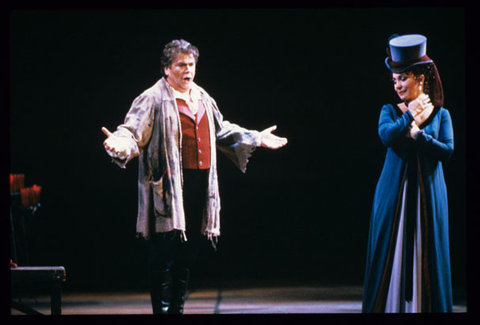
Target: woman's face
407, 86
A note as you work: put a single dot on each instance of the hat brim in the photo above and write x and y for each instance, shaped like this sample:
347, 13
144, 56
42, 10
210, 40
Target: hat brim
399, 67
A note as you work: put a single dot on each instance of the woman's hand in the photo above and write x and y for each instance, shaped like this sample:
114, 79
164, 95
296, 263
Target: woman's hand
413, 131
421, 108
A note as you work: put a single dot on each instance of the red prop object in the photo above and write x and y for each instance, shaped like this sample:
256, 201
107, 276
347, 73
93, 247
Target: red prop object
30, 196
17, 182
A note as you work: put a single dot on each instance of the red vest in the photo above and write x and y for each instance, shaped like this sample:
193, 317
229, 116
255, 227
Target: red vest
195, 136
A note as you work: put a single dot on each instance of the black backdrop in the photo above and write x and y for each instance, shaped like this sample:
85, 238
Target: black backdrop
301, 212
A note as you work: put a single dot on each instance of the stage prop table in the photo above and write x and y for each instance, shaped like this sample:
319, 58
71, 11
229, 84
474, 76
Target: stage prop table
23, 277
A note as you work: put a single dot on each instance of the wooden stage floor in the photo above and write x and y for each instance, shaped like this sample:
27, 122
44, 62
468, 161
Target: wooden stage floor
246, 298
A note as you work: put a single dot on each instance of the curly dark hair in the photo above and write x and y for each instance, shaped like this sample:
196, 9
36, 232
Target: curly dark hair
426, 70
176, 47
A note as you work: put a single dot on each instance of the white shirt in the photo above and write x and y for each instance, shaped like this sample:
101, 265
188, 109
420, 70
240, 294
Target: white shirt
191, 97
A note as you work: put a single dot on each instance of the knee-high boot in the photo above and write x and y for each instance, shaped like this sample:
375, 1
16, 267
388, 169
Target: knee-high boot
179, 291
160, 290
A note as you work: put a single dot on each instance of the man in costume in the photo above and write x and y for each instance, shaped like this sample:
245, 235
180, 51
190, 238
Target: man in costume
174, 128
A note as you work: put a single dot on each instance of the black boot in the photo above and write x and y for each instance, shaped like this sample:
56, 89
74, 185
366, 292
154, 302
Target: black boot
179, 291
160, 290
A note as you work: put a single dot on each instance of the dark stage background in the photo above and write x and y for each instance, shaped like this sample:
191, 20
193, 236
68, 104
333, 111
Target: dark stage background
299, 213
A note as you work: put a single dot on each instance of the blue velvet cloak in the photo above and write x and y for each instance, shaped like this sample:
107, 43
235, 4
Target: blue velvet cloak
432, 147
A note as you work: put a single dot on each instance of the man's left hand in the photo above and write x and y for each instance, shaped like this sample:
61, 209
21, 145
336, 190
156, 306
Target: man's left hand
270, 140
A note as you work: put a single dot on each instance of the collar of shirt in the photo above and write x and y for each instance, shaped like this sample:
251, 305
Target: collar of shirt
191, 98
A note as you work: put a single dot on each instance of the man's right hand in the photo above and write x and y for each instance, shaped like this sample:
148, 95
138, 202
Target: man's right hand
108, 143
112, 145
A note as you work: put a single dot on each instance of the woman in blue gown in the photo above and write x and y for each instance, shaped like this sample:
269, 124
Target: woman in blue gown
408, 258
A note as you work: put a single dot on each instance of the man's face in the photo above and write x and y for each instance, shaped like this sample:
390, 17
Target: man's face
181, 72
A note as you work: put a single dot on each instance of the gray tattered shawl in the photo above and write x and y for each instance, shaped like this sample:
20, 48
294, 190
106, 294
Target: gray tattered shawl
152, 132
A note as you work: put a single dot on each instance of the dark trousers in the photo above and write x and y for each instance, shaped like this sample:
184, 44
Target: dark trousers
168, 250
170, 256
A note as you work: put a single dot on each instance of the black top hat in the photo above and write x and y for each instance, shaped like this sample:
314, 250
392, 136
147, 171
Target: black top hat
406, 51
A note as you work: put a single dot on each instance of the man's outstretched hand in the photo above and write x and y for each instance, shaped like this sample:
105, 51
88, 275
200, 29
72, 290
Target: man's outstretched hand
270, 140
109, 142
113, 145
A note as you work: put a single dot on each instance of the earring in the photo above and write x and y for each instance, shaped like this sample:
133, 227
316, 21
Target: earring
420, 88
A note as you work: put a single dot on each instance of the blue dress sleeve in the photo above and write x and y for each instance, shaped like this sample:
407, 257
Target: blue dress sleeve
442, 147
391, 126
